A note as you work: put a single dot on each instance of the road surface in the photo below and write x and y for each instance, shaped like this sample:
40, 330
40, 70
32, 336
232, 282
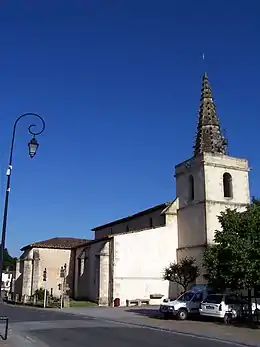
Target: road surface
42, 328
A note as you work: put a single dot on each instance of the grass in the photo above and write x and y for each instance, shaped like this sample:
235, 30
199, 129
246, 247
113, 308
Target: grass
73, 303
81, 303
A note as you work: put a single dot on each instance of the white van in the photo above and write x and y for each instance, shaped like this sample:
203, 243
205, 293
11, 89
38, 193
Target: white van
186, 304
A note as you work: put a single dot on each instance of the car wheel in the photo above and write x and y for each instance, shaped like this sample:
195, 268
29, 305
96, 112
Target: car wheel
182, 314
228, 318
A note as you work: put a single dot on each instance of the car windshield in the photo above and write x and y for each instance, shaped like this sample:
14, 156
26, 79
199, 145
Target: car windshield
214, 299
186, 296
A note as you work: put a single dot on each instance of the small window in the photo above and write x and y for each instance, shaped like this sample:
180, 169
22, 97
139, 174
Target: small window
198, 297
227, 185
82, 266
191, 188
79, 266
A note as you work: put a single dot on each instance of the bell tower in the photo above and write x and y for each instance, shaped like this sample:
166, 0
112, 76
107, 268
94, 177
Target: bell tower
207, 183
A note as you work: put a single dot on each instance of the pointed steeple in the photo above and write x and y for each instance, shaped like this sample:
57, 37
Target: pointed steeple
209, 137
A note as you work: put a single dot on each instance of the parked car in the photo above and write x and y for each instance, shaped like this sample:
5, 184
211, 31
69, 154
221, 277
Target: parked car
224, 306
185, 305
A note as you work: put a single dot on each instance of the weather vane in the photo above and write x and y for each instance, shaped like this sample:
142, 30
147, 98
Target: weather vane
203, 62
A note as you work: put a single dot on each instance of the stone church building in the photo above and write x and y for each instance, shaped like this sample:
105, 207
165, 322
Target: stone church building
126, 258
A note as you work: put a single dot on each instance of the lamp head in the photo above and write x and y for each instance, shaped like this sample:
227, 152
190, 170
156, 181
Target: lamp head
33, 146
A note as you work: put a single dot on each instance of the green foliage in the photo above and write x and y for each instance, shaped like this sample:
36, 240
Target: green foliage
212, 261
81, 303
9, 262
183, 273
255, 201
39, 293
233, 261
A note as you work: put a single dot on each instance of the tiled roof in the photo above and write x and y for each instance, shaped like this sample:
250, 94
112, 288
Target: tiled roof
58, 243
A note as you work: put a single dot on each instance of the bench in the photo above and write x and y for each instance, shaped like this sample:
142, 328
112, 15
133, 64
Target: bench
137, 302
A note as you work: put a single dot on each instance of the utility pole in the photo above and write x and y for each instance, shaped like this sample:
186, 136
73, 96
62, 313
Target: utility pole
45, 289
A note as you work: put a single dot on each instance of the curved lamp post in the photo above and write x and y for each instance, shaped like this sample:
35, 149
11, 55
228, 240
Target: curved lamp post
33, 146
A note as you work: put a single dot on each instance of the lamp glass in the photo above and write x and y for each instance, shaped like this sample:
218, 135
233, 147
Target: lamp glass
33, 146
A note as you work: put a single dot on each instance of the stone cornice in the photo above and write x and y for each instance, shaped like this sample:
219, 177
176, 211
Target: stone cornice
228, 167
228, 201
202, 245
208, 163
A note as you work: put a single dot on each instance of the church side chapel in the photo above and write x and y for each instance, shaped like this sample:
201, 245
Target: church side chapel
124, 263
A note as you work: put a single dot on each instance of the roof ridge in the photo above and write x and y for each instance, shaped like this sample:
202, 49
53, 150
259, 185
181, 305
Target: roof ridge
57, 243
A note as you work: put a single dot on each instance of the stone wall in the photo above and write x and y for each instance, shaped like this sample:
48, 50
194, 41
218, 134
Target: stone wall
53, 260
140, 258
30, 267
92, 272
146, 221
198, 217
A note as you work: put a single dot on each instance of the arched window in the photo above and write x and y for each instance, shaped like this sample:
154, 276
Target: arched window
191, 188
227, 185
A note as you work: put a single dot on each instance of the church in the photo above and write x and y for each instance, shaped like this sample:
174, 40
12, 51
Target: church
125, 260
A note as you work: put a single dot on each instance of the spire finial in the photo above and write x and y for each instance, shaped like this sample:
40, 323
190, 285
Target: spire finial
209, 137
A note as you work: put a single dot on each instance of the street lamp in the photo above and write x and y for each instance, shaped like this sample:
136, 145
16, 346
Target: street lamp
45, 287
33, 146
63, 274
65, 271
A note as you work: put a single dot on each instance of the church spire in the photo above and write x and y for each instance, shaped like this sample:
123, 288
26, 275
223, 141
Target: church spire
209, 137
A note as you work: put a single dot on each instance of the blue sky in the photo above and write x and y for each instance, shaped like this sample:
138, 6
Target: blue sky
118, 84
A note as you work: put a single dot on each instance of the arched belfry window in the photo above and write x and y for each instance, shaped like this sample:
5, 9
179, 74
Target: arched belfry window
191, 188
227, 185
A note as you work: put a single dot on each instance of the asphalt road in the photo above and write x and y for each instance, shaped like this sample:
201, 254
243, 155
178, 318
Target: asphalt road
18, 314
42, 328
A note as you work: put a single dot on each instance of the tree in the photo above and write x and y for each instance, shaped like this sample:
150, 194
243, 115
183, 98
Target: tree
212, 262
183, 273
9, 261
233, 261
255, 201
39, 293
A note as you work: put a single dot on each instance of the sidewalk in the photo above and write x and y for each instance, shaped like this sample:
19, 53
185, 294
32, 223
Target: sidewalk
4, 343
151, 318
